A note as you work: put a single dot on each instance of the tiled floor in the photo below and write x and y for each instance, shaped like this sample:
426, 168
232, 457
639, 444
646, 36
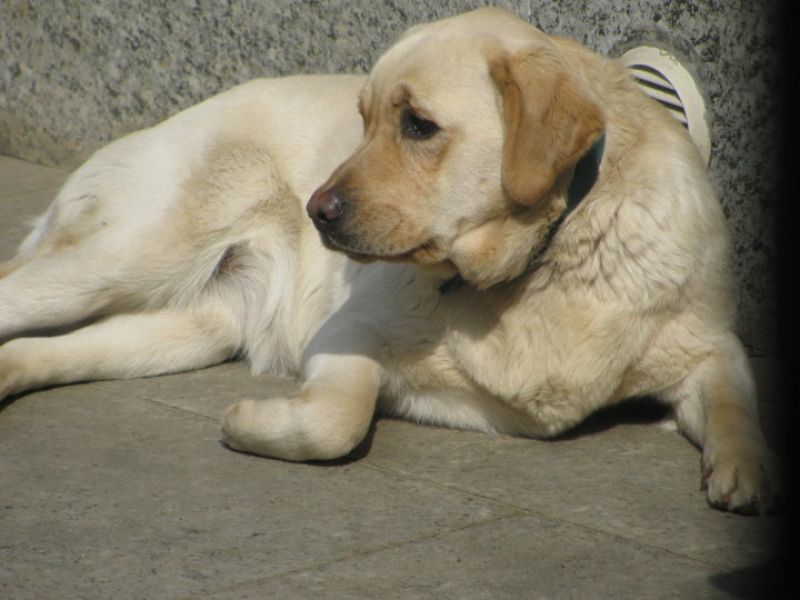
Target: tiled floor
121, 489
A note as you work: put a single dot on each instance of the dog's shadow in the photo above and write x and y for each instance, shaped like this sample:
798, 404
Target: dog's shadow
635, 411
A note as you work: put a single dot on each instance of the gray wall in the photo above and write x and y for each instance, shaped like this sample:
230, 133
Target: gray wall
74, 75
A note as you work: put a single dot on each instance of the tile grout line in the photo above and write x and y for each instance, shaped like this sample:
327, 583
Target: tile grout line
34, 164
539, 513
146, 398
17, 195
353, 555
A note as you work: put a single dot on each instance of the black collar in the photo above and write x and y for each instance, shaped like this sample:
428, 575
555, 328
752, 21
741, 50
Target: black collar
584, 177
586, 171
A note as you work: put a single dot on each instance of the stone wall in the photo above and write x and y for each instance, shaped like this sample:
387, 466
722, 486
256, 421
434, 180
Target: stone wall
77, 74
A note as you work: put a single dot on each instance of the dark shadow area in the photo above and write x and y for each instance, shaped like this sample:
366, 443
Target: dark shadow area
636, 411
756, 582
8, 401
787, 293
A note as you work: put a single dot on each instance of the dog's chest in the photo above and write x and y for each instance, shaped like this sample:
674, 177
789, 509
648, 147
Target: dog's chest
542, 351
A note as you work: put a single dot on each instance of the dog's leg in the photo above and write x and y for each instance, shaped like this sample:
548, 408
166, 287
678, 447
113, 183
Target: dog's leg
715, 406
122, 346
51, 292
330, 415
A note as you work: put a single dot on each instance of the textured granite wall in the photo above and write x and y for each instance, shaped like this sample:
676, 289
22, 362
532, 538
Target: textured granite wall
76, 74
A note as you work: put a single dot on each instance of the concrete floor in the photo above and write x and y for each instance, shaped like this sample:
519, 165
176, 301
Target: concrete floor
121, 489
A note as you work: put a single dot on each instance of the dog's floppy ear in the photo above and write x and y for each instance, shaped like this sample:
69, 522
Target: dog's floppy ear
549, 120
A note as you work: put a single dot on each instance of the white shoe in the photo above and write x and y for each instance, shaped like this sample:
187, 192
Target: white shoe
662, 77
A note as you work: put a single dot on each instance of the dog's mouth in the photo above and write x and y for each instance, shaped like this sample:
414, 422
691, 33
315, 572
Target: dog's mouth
428, 252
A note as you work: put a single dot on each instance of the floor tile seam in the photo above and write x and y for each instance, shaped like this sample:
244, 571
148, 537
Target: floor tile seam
146, 398
36, 165
17, 195
526, 511
445, 487
446, 531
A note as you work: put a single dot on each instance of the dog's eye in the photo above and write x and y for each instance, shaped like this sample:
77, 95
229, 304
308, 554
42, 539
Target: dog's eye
415, 127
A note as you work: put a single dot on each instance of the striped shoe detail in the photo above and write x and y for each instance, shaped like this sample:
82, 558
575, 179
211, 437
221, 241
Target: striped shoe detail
664, 78
658, 87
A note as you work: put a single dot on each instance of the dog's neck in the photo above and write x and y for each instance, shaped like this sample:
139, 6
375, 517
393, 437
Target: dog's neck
583, 179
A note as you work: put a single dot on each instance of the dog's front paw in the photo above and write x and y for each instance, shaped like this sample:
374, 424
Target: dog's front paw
245, 427
743, 478
296, 429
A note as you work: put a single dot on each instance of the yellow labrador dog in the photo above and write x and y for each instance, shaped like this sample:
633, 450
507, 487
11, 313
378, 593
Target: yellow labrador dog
503, 234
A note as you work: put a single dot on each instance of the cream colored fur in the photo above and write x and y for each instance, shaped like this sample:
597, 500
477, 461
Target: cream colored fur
188, 244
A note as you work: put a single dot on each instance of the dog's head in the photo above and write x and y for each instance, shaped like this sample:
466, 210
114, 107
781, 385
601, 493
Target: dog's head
471, 127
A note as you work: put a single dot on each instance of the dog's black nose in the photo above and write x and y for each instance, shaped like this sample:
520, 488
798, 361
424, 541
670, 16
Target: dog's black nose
326, 208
